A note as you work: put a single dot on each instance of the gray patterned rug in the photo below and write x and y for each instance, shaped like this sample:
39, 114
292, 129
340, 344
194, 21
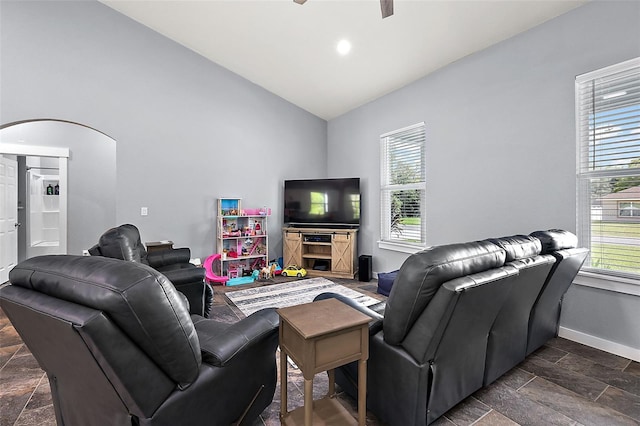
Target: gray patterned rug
292, 293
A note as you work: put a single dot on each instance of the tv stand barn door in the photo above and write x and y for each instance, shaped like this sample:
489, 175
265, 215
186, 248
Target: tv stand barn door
342, 255
292, 248
323, 252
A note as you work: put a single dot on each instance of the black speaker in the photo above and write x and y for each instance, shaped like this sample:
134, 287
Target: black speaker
364, 267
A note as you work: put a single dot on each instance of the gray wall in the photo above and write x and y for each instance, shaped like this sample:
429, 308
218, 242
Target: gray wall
603, 314
188, 131
500, 143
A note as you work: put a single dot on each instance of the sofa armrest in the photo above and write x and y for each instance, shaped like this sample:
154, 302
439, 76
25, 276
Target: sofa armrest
160, 258
375, 324
184, 275
219, 346
95, 250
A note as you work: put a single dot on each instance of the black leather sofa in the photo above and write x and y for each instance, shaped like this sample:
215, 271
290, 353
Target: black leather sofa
458, 317
124, 243
120, 348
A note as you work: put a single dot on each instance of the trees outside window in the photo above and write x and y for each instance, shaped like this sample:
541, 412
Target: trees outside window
403, 186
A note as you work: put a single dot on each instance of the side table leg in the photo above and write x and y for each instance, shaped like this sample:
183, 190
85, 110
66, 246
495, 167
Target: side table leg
362, 392
308, 402
332, 383
283, 383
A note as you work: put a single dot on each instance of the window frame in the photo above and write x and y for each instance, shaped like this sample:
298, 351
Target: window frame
609, 279
386, 188
633, 206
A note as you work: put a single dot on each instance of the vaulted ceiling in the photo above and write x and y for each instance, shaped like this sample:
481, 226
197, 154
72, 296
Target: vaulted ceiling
290, 49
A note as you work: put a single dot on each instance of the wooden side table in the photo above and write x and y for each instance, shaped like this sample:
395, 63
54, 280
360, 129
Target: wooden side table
158, 245
321, 336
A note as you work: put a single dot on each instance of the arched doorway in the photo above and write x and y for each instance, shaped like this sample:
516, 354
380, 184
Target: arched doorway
90, 187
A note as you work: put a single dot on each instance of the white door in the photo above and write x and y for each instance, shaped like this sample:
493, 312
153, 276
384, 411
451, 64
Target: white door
8, 217
63, 155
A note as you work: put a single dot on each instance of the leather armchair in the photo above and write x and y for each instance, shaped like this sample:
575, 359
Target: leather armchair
120, 348
124, 243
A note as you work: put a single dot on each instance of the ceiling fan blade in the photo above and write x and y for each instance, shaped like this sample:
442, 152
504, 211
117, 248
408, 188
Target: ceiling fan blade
385, 5
387, 8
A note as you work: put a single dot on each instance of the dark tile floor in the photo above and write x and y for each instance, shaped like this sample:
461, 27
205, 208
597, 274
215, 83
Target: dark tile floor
563, 383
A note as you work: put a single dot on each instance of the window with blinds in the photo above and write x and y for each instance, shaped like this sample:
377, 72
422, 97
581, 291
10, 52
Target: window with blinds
403, 186
608, 167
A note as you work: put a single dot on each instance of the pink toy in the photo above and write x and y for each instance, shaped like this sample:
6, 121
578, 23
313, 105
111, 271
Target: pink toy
210, 276
233, 272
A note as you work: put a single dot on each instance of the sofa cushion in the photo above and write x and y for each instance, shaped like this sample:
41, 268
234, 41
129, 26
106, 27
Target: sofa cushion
555, 239
138, 299
422, 274
518, 246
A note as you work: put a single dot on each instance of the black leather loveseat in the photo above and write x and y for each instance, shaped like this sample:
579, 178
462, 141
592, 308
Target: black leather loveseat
458, 317
120, 348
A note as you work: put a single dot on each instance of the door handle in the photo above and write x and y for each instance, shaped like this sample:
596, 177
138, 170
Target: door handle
17, 224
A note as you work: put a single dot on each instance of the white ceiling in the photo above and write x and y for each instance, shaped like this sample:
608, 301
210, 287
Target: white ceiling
289, 49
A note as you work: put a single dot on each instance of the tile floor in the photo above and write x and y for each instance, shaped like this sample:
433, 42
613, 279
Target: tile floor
563, 383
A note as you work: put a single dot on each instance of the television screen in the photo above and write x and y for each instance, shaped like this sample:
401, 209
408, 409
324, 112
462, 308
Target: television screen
322, 202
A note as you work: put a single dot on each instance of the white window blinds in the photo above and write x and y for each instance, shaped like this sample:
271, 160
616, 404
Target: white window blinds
403, 186
608, 167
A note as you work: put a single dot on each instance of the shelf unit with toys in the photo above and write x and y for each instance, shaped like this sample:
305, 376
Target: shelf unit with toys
242, 238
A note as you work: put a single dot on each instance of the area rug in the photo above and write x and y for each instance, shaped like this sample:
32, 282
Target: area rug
292, 293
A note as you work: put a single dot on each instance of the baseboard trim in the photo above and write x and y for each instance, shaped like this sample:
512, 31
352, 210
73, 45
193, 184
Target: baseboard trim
599, 343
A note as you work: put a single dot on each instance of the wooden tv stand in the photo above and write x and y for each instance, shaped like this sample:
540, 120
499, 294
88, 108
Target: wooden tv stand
323, 252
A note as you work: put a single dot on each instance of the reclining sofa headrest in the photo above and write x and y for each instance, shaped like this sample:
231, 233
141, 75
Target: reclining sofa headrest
422, 274
518, 246
139, 300
555, 239
123, 242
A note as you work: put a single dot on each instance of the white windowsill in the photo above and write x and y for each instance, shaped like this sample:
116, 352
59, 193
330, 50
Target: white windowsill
608, 282
404, 248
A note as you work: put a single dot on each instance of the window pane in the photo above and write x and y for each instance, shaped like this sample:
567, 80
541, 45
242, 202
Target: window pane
608, 107
612, 143
402, 195
406, 160
406, 220
615, 228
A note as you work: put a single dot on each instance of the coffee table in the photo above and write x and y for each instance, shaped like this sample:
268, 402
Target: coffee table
321, 336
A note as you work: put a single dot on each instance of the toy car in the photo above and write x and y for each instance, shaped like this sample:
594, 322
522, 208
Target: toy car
293, 271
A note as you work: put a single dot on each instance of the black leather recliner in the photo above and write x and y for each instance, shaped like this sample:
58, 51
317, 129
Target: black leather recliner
427, 352
120, 348
124, 243
544, 320
507, 343
459, 316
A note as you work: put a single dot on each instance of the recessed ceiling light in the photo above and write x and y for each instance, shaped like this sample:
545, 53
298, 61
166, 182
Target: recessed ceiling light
343, 47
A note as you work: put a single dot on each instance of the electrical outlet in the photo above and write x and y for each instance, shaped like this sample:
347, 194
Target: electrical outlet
144, 211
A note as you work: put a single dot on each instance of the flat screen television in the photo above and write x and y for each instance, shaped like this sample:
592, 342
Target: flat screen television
322, 202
